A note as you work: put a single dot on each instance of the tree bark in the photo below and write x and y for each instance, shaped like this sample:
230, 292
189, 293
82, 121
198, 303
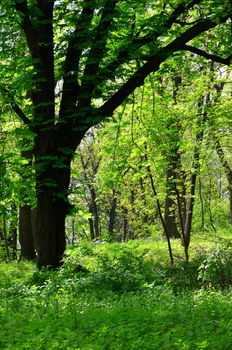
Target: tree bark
91, 227
112, 214
171, 205
170, 219
94, 208
13, 231
228, 171
125, 224
49, 230
52, 167
26, 239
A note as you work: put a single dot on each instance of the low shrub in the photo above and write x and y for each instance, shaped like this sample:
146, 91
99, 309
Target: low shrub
216, 269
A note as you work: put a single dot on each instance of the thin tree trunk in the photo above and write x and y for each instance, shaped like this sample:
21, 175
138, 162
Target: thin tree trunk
94, 222
125, 224
159, 209
1, 235
228, 172
5, 239
73, 231
112, 213
173, 172
161, 216
193, 178
26, 238
170, 204
91, 227
13, 231
202, 207
95, 212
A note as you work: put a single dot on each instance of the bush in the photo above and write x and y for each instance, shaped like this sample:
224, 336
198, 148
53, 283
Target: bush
216, 269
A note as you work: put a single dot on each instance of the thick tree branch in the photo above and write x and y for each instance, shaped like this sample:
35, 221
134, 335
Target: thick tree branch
127, 53
152, 65
20, 113
209, 56
96, 52
75, 49
37, 25
14, 106
28, 28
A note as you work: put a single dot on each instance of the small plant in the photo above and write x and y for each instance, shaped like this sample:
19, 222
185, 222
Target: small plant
216, 270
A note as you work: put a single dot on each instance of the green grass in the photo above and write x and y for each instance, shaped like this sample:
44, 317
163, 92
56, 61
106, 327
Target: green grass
129, 297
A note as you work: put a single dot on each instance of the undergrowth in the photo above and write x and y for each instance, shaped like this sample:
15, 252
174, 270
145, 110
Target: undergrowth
119, 296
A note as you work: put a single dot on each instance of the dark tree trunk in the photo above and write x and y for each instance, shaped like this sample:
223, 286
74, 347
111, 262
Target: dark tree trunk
189, 211
52, 184
125, 224
170, 219
13, 231
1, 235
26, 239
112, 213
95, 213
6, 246
13, 242
228, 171
49, 230
193, 179
94, 222
91, 227
175, 206
170, 203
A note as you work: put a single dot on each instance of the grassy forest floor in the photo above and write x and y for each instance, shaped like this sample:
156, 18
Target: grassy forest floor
127, 296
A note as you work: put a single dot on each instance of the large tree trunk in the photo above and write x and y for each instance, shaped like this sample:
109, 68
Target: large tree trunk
170, 219
26, 239
52, 167
49, 228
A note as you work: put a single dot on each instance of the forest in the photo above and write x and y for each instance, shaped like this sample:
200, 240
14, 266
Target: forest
115, 174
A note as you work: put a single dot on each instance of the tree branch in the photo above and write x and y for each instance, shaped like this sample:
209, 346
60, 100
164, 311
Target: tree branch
20, 113
14, 106
209, 56
29, 30
96, 52
75, 48
126, 53
152, 65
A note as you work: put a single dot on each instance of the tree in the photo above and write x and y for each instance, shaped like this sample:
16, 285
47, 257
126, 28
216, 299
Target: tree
82, 60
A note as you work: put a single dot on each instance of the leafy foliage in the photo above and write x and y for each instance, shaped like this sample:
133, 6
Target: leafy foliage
142, 303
